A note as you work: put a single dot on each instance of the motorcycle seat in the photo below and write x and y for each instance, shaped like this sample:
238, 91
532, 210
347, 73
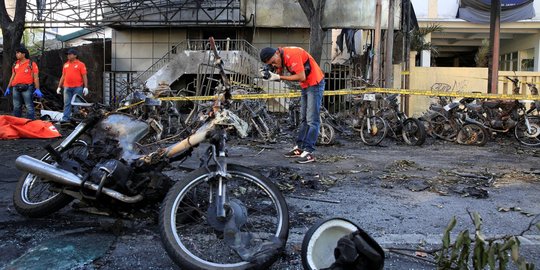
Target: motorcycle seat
491, 104
474, 107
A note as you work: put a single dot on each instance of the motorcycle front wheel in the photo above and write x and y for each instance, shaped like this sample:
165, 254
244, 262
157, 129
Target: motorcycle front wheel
472, 134
35, 197
326, 134
413, 132
195, 238
528, 135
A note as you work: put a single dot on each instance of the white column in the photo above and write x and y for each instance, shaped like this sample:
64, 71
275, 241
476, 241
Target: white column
537, 54
425, 59
425, 56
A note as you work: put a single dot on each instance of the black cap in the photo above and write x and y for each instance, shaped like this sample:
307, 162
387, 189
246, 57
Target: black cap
72, 51
267, 53
24, 50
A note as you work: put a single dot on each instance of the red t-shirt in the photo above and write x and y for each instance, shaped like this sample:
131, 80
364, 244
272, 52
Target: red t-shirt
23, 72
294, 59
73, 73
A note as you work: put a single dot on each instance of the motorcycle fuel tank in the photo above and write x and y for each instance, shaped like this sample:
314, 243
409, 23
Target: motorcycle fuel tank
124, 128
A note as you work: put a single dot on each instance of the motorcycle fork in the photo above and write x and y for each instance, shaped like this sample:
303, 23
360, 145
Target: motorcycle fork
71, 138
218, 189
528, 125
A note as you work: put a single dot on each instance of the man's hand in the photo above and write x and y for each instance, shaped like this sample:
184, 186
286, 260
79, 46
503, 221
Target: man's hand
85, 91
59, 90
269, 76
8, 91
38, 93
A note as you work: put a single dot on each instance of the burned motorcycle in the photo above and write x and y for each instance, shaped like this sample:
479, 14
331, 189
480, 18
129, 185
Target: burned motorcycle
412, 131
504, 116
96, 163
221, 216
448, 121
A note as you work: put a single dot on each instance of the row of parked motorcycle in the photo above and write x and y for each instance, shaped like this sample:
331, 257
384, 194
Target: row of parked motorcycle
373, 116
465, 121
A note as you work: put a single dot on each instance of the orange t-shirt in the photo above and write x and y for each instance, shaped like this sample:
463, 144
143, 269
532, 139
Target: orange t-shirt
294, 59
23, 72
73, 73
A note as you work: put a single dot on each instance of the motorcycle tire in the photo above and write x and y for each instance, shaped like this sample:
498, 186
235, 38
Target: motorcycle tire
524, 135
373, 130
413, 132
28, 204
194, 237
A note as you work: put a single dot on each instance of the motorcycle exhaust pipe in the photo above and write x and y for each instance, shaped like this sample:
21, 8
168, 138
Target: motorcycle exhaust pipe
39, 168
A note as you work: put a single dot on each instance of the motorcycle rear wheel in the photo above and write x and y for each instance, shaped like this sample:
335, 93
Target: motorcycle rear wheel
194, 237
33, 196
524, 135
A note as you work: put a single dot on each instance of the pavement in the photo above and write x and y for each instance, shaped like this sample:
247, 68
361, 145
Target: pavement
402, 196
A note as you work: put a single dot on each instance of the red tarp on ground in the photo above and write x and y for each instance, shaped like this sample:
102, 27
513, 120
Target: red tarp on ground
12, 127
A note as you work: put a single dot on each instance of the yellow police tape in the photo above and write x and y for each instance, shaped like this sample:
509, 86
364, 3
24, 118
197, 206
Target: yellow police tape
367, 90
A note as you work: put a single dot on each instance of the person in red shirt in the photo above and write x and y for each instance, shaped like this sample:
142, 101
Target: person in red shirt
24, 79
305, 70
74, 81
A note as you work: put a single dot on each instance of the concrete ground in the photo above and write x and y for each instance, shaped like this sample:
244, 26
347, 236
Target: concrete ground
403, 196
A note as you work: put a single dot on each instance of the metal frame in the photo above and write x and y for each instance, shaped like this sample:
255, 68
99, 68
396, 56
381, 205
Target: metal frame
129, 13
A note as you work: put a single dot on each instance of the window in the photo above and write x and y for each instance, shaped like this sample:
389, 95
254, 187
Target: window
509, 62
527, 64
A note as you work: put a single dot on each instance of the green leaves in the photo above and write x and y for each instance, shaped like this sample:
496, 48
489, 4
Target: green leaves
493, 252
449, 228
477, 220
418, 42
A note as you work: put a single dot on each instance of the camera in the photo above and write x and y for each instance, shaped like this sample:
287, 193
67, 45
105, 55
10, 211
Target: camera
266, 69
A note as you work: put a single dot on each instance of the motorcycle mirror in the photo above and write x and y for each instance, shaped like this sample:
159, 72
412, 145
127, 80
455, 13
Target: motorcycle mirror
78, 100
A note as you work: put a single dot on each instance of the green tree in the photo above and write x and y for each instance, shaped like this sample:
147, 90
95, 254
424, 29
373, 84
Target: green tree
418, 42
482, 56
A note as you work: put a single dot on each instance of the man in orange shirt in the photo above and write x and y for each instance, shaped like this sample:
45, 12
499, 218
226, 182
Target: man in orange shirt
304, 69
24, 79
74, 81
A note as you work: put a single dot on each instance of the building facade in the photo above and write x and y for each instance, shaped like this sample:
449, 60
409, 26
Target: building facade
460, 39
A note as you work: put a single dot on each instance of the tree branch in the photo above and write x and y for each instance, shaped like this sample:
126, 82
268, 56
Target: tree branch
307, 7
531, 224
4, 17
20, 11
320, 8
397, 251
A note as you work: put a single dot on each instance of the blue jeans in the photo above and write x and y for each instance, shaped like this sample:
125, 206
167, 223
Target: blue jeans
69, 92
23, 96
310, 121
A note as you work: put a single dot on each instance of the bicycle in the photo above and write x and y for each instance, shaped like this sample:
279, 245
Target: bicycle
222, 216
